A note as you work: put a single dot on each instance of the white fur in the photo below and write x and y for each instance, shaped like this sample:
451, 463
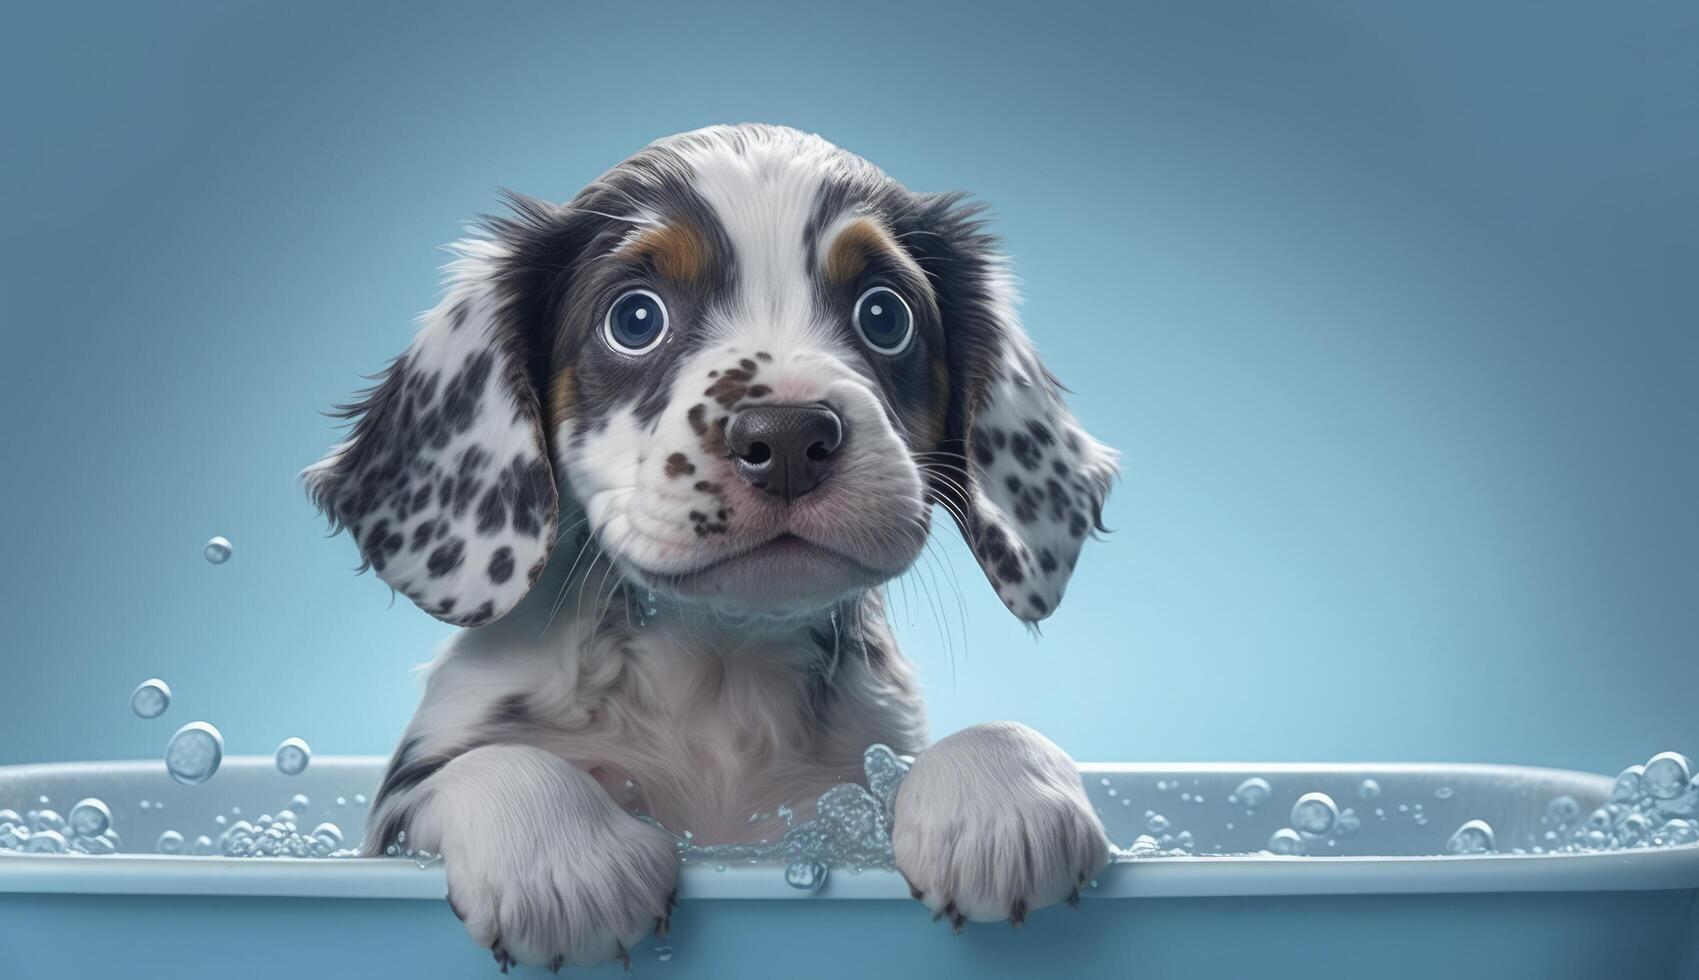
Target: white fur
992, 823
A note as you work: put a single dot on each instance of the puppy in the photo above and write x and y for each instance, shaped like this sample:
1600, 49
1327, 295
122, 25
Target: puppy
658, 449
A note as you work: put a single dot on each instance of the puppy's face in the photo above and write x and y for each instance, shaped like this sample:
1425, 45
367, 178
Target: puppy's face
744, 386
749, 364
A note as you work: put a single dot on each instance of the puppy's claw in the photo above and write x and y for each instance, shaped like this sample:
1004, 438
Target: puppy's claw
1017, 913
502, 959
556, 963
625, 958
666, 919
1074, 899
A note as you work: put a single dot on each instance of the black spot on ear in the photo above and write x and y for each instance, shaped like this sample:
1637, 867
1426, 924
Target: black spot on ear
1040, 432
999, 438
1038, 604
983, 454
1025, 450
480, 615
501, 565
762, 355
1013, 483
1077, 524
422, 535
446, 558
1046, 560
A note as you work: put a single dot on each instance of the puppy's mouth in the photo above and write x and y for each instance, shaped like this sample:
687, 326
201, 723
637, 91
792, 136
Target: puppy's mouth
784, 570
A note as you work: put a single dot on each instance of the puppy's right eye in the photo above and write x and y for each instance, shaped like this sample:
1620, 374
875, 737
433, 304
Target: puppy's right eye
636, 322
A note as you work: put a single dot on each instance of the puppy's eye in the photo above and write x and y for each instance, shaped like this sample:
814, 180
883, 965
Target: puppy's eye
635, 322
884, 320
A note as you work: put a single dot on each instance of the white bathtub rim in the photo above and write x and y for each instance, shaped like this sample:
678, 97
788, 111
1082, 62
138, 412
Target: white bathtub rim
1167, 877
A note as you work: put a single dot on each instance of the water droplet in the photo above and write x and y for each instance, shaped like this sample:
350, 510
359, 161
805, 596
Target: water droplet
1286, 841
218, 550
1349, 822
663, 953
170, 842
1368, 789
292, 757
204, 845
150, 698
299, 803
194, 753
90, 818
1157, 823
1667, 774
359, 799
45, 820
1474, 837
1314, 813
1442, 793
1253, 792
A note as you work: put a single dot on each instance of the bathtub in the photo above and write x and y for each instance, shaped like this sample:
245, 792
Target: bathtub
1376, 904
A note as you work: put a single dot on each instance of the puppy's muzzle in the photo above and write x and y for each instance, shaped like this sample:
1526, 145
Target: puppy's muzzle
785, 450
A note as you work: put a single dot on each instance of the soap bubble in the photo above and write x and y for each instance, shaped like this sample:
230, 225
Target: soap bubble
170, 842
1368, 789
1679, 831
1349, 822
1253, 792
1627, 787
1474, 837
299, 803
1442, 793
45, 842
1314, 813
293, 756
150, 698
194, 753
218, 550
1157, 823
90, 818
41, 820
805, 875
328, 834
1666, 775
1286, 841
1563, 810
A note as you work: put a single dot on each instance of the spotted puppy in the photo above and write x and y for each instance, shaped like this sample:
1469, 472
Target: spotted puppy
658, 449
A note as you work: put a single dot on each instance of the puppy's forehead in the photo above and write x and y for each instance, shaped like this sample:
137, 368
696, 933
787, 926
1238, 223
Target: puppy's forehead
778, 199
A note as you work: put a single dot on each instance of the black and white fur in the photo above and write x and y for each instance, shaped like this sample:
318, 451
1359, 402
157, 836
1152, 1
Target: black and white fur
641, 639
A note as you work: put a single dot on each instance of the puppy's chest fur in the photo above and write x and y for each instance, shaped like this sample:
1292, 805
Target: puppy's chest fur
705, 731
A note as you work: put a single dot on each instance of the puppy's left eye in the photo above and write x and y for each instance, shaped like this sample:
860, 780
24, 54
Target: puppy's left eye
635, 322
884, 320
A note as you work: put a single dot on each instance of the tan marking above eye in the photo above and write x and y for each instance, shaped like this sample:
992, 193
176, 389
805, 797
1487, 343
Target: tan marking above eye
675, 250
858, 242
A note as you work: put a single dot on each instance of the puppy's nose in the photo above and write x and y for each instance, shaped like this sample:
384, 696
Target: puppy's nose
785, 450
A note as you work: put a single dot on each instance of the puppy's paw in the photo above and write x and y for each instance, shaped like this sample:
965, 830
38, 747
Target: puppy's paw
992, 823
543, 867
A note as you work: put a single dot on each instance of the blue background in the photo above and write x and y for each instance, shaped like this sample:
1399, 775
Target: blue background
1391, 309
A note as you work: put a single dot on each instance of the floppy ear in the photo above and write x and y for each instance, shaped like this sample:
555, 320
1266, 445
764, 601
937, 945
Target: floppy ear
445, 482
1032, 482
